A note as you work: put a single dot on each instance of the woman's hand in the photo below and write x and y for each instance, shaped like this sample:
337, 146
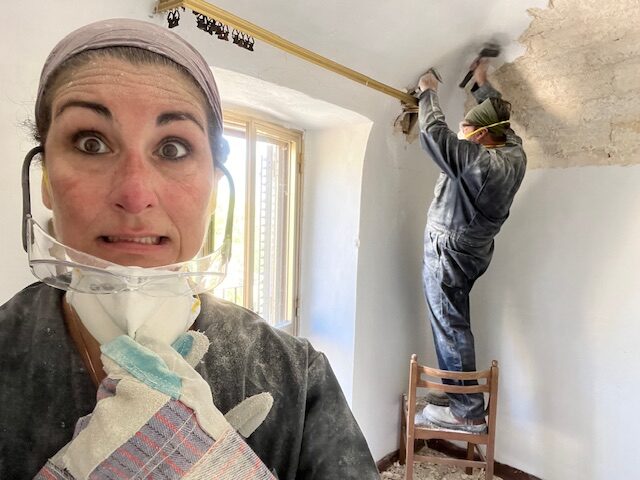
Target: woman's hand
155, 413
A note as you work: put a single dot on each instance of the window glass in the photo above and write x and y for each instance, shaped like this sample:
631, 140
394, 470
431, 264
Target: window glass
264, 161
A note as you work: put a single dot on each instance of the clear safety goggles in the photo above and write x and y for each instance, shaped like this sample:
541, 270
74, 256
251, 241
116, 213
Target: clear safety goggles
68, 269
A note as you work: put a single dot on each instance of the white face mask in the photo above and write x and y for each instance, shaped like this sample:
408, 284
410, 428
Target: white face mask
107, 316
461, 135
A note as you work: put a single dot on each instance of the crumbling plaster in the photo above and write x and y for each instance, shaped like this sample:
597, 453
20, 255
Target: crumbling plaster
576, 91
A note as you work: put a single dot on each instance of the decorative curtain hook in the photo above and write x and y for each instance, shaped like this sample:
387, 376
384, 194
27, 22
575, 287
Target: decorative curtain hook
235, 35
211, 23
223, 34
173, 18
211, 26
201, 21
250, 44
242, 40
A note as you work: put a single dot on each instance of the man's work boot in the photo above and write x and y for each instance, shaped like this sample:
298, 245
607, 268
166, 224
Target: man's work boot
437, 397
443, 418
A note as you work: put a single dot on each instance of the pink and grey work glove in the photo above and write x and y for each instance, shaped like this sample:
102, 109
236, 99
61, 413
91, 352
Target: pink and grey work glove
155, 418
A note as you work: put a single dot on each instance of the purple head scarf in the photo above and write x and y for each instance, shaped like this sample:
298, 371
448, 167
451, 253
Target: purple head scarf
124, 32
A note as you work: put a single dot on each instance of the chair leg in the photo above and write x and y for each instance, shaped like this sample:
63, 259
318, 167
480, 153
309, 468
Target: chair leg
489, 472
409, 447
403, 436
489, 458
470, 453
408, 468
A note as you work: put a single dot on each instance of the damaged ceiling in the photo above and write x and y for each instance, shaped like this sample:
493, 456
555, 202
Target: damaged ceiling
575, 94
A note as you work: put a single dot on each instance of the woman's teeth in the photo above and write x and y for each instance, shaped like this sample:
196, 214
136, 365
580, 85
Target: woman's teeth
142, 240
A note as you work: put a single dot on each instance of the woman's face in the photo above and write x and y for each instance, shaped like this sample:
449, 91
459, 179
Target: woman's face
129, 164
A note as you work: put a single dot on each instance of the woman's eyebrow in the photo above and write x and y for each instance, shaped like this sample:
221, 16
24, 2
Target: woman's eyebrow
168, 117
95, 107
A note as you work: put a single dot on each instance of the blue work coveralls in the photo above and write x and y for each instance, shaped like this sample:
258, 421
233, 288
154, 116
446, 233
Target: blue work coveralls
472, 199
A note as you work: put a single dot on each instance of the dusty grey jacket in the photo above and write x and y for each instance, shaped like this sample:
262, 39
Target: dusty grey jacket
310, 432
476, 187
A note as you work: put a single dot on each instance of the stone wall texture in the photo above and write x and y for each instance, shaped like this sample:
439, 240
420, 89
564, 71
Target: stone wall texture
576, 91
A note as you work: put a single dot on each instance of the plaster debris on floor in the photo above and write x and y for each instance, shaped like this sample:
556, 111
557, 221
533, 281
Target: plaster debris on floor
428, 471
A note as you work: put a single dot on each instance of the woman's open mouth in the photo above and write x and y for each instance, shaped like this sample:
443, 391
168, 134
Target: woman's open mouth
148, 240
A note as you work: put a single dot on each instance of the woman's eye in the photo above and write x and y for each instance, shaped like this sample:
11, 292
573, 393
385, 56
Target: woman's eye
173, 150
91, 144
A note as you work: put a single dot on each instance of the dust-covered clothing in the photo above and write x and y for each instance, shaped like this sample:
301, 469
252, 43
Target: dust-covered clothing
309, 433
471, 202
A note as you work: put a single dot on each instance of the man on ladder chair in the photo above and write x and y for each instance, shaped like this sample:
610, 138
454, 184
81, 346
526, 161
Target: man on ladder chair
482, 168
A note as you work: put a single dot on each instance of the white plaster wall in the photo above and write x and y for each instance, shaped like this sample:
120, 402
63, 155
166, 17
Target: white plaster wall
559, 305
391, 321
333, 162
559, 309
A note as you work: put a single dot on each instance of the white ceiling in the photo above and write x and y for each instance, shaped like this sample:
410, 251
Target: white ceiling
393, 41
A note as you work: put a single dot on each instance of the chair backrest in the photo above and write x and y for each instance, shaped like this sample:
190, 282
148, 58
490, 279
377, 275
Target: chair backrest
487, 383
486, 378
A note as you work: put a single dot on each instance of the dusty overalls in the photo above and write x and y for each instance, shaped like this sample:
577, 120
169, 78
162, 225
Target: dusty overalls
449, 271
471, 202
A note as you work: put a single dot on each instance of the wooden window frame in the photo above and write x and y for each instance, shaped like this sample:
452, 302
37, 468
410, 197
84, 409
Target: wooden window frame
255, 128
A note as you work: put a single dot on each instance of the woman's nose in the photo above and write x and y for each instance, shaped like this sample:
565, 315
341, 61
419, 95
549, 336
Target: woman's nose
133, 188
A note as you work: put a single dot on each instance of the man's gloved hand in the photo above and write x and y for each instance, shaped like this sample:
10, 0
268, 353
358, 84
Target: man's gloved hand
428, 81
479, 68
155, 417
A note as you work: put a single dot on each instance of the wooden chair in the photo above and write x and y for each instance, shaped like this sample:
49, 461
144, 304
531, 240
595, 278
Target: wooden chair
487, 384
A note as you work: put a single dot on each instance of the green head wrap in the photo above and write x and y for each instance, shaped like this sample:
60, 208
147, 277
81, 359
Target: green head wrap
484, 115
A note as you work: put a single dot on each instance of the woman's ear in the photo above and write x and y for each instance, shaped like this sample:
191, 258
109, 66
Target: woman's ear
45, 188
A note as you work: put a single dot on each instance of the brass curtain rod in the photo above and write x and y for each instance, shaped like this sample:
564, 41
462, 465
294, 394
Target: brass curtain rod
259, 33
